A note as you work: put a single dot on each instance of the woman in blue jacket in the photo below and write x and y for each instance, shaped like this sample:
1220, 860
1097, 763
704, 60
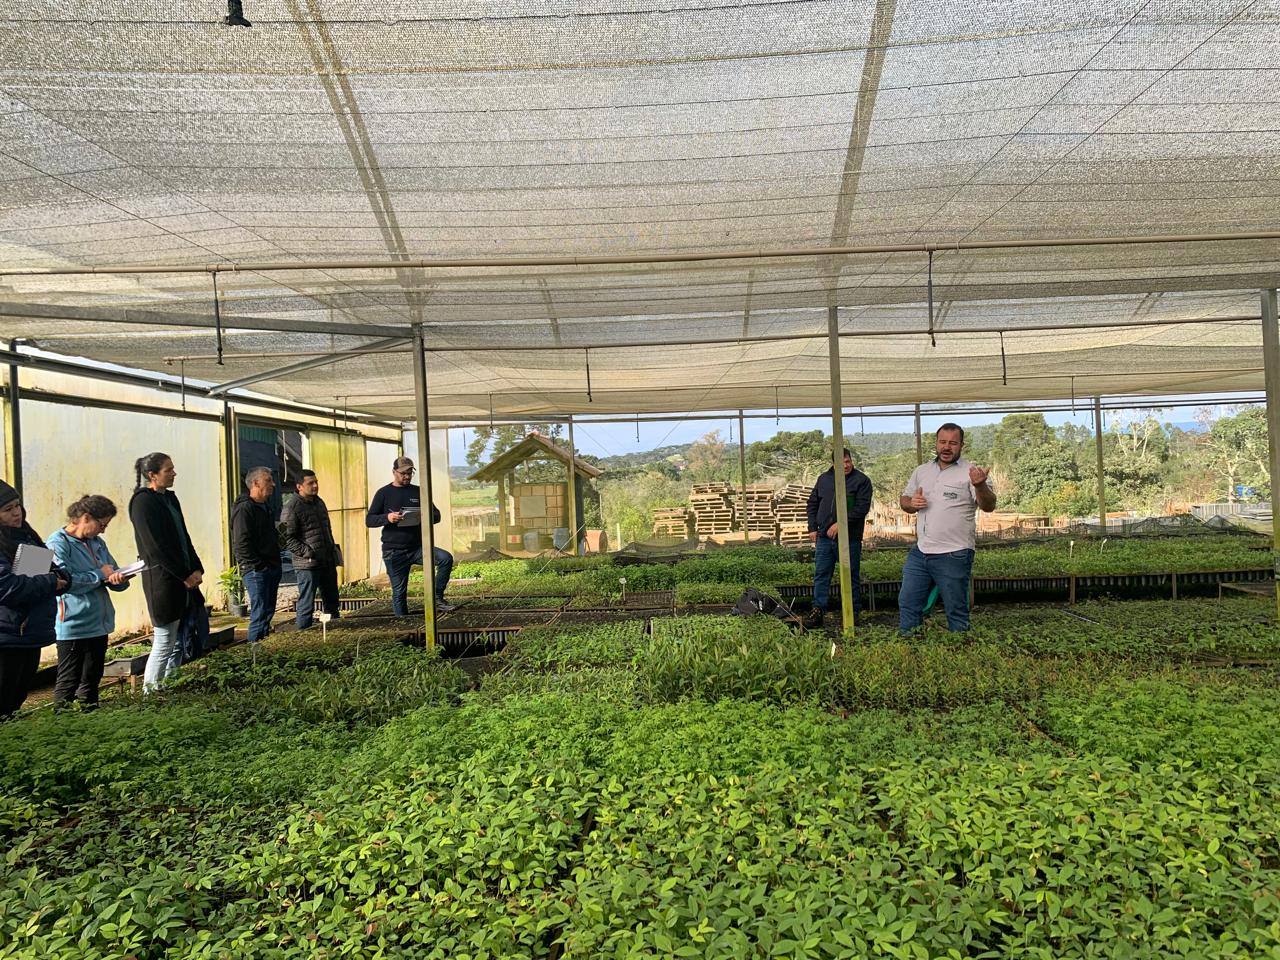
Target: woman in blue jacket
27, 606
86, 616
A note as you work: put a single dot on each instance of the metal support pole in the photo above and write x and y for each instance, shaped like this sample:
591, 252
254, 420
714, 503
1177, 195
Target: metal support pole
572, 472
424, 467
1102, 478
1271, 374
742, 472
231, 441
502, 512
919, 440
15, 424
837, 460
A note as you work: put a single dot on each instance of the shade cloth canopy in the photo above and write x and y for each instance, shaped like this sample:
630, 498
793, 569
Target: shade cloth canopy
331, 133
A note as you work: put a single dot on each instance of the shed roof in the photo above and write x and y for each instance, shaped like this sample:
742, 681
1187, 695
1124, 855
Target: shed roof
534, 445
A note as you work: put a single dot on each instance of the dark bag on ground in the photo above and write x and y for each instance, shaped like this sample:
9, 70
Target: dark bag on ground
756, 601
193, 629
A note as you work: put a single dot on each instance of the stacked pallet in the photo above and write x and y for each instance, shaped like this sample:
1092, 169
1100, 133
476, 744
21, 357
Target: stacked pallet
790, 507
760, 514
712, 508
671, 522
716, 487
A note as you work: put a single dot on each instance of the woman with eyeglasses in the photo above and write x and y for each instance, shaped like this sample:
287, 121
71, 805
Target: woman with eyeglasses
86, 615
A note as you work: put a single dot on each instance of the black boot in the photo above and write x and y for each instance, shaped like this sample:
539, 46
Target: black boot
814, 620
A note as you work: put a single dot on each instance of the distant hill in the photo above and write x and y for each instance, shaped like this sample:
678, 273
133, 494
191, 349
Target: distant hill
624, 461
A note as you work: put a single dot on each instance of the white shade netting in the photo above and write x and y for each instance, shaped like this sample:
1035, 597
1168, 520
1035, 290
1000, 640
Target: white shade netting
330, 136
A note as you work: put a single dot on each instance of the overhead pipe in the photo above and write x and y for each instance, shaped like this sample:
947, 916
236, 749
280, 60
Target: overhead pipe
771, 338
759, 253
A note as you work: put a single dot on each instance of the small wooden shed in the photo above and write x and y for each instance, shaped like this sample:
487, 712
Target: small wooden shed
533, 516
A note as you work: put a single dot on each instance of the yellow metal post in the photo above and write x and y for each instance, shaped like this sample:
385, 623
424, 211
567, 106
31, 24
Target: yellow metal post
919, 439
837, 460
424, 466
572, 491
15, 424
1102, 479
742, 472
1271, 373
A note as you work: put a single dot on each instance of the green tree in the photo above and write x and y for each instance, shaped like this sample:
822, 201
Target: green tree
1017, 435
797, 457
629, 503
1040, 473
706, 459
490, 442
1237, 452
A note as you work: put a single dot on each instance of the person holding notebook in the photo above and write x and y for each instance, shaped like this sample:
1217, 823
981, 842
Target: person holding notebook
397, 509
86, 615
172, 578
28, 604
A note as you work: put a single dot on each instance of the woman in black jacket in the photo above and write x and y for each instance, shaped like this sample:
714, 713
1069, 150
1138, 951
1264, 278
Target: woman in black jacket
174, 570
27, 605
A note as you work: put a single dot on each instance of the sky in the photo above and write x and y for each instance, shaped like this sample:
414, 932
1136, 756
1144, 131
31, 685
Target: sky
612, 439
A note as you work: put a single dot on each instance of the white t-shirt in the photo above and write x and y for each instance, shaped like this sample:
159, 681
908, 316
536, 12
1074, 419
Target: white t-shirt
948, 523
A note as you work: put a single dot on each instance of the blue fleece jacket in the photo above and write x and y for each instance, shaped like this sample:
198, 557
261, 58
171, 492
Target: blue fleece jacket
85, 610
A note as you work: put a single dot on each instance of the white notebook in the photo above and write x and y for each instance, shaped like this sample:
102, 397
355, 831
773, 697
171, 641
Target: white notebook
32, 561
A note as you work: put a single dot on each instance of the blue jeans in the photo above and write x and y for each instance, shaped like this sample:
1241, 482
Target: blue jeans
826, 559
950, 572
326, 578
398, 563
166, 654
262, 587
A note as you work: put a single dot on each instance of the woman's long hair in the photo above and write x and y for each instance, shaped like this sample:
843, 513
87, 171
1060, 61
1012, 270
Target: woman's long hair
149, 464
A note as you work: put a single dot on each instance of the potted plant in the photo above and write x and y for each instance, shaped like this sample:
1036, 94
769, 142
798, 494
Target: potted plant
233, 587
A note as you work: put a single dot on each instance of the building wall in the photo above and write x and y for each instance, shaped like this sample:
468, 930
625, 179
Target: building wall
70, 450
82, 435
378, 460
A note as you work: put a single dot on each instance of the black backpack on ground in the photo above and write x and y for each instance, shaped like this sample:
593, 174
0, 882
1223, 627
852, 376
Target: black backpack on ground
755, 601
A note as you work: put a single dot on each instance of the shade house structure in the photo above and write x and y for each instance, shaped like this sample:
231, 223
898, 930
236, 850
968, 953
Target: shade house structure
450, 213
536, 513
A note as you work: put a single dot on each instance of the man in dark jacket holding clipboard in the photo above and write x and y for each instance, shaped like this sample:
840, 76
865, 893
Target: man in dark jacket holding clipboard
397, 508
823, 531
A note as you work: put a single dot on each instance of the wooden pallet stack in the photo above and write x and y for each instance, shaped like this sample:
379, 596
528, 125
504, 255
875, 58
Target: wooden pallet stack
789, 505
671, 522
760, 516
713, 512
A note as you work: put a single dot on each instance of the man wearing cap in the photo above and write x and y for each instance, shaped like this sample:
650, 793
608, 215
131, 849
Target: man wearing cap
945, 495
397, 508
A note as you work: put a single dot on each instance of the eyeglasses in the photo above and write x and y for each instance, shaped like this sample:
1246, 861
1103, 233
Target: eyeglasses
407, 472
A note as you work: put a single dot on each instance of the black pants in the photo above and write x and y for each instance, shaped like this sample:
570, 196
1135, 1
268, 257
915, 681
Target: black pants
79, 669
17, 673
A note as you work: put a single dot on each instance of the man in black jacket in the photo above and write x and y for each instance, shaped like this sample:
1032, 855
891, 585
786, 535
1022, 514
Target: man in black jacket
824, 529
257, 549
315, 555
397, 508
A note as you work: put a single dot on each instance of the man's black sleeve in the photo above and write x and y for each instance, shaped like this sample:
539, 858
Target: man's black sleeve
242, 537
811, 508
861, 500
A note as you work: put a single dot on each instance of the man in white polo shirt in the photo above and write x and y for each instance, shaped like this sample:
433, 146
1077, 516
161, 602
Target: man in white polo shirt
945, 496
